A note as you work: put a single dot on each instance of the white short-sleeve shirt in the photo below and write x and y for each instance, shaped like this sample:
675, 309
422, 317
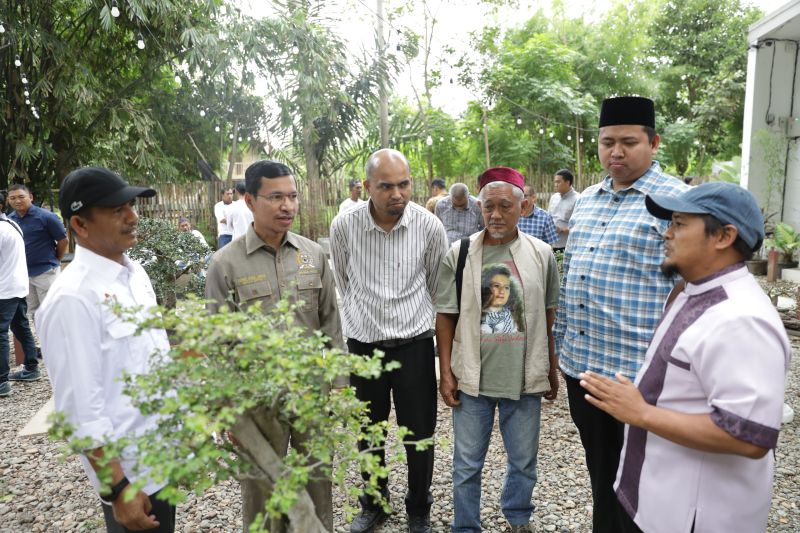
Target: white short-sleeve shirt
720, 349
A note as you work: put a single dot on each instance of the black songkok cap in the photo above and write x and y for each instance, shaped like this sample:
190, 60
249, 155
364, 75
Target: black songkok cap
626, 110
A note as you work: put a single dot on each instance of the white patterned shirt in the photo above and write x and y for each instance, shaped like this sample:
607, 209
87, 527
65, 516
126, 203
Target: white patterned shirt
386, 279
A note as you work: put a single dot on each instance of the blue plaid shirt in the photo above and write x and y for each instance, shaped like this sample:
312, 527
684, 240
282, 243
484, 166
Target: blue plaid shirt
539, 224
612, 292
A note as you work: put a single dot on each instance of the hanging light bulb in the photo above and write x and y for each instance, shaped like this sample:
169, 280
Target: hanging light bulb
216, 129
240, 139
441, 139
140, 42
2, 28
408, 126
17, 62
519, 121
177, 79
429, 141
230, 136
295, 48
592, 139
551, 134
26, 93
24, 80
580, 140
27, 102
202, 112
452, 139
569, 137
541, 131
114, 9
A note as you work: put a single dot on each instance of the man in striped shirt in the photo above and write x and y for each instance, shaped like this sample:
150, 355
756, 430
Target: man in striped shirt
612, 291
386, 256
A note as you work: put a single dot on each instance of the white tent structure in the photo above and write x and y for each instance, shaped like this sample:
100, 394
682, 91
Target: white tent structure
771, 139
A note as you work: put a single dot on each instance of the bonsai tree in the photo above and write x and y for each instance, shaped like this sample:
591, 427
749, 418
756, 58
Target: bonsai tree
784, 239
223, 370
173, 259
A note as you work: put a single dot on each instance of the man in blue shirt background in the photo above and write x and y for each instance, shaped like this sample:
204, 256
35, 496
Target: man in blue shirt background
536, 221
45, 245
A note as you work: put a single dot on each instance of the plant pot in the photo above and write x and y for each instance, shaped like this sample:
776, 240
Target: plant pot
782, 265
757, 267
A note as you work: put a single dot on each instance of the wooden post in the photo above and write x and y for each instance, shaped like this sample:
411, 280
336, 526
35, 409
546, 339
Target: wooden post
772, 265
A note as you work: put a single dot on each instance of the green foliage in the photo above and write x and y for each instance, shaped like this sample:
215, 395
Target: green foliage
784, 239
228, 366
677, 143
173, 259
100, 99
771, 148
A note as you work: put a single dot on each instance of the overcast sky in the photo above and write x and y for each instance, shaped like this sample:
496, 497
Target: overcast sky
456, 19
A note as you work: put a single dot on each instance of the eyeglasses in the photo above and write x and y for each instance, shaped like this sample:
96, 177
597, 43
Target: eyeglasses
277, 198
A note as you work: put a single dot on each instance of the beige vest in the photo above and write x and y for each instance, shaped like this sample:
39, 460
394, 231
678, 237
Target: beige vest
531, 257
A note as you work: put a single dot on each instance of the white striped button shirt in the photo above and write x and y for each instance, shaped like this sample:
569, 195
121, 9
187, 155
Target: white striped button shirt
387, 279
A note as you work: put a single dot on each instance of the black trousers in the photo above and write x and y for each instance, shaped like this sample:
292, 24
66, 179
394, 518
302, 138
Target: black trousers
164, 511
602, 437
413, 389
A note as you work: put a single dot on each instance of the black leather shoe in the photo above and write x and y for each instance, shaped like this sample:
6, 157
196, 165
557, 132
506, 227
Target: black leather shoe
368, 519
419, 524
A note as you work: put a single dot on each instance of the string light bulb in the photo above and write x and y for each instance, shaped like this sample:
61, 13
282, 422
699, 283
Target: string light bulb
295, 48
26, 93
202, 112
140, 42
24, 80
17, 62
441, 139
216, 129
2, 28
429, 141
592, 139
569, 137
27, 102
551, 134
114, 9
541, 131
519, 121
408, 126
177, 79
580, 140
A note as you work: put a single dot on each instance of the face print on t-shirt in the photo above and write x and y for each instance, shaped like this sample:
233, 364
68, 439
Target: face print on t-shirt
501, 300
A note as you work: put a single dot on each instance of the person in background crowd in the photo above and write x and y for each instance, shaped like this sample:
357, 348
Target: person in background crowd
88, 349
535, 221
612, 291
438, 191
355, 188
184, 225
271, 258
224, 234
13, 305
562, 204
387, 304
239, 215
505, 359
706, 407
45, 245
459, 213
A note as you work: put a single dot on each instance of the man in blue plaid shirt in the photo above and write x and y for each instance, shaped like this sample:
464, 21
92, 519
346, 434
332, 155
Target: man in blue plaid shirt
536, 221
612, 291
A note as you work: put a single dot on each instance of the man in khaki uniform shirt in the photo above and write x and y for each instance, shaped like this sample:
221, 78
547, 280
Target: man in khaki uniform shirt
267, 264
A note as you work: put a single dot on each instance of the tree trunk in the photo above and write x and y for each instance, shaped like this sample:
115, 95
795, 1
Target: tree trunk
253, 445
312, 203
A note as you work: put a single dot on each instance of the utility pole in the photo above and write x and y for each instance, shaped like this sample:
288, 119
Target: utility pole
382, 94
578, 147
486, 138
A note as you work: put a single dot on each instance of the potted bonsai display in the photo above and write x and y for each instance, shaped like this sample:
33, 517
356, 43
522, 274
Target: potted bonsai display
786, 241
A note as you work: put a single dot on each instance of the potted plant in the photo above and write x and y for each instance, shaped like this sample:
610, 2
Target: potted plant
786, 241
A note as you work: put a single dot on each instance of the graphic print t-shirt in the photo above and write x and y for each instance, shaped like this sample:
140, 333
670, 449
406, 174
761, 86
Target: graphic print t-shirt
502, 325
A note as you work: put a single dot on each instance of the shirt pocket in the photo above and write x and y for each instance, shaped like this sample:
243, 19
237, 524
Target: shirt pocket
308, 289
260, 291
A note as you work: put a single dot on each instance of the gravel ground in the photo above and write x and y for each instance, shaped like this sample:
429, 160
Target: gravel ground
40, 493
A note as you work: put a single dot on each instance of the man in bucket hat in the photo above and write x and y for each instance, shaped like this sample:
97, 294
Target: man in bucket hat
612, 293
706, 405
87, 348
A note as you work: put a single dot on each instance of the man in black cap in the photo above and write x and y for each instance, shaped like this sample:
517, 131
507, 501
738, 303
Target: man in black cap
87, 348
612, 291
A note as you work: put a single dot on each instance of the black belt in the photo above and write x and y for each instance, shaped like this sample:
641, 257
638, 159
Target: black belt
394, 343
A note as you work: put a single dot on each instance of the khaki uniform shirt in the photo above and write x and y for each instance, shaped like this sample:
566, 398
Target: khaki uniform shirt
248, 270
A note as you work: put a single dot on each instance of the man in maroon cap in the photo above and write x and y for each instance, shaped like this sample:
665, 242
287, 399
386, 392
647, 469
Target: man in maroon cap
496, 301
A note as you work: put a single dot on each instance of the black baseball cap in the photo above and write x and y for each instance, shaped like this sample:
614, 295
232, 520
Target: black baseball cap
96, 187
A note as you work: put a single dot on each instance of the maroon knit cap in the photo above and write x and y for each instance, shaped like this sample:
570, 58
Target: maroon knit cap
508, 175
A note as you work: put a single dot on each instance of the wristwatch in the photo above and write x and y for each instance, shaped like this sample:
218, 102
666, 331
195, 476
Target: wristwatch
116, 490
